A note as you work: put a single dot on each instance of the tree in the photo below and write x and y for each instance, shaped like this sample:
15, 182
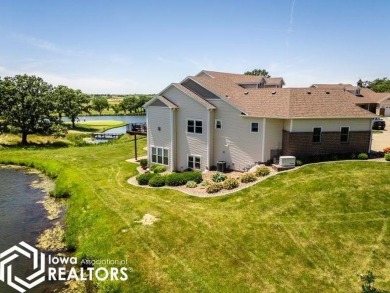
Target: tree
99, 104
27, 104
261, 72
129, 104
116, 108
141, 101
379, 85
70, 102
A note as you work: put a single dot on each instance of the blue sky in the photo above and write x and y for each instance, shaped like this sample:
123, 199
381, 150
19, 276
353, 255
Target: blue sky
142, 46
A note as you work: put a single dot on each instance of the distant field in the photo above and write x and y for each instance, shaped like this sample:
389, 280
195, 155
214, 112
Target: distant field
310, 230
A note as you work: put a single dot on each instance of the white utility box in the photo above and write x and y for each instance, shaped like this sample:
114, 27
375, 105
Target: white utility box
287, 161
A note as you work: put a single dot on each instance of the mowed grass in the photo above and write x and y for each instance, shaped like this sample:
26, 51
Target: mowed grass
97, 125
310, 230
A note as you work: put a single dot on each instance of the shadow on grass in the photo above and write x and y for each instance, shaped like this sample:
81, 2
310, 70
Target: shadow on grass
33, 145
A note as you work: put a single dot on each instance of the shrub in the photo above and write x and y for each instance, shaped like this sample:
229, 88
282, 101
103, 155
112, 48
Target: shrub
205, 183
193, 176
157, 181
298, 163
219, 177
175, 179
387, 157
262, 171
362, 156
143, 179
191, 184
77, 139
248, 177
159, 169
213, 188
230, 183
386, 150
143, 163
152, 167
353, 156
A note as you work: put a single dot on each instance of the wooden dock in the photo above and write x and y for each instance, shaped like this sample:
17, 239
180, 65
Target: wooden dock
106, 135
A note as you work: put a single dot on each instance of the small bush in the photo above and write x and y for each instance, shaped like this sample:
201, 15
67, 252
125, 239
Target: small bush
77, 139
157, 181
143, 163
386, 150
353, 156
152, 167
143, 179
387, 157
159, 169
205, 183
262, 171
219, 177
191, 184
175, 179
230, 183
362, 156
193, 176
248, 177
213, 188
298, 163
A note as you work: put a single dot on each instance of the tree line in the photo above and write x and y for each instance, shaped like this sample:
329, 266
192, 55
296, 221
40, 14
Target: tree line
31, 105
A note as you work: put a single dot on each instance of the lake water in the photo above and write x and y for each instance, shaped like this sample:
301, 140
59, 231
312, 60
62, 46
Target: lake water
21, 219
120, 130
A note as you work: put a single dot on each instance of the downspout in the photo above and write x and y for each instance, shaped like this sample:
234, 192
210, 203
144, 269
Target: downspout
147, 137
263, 141
369, 146
173, 140
209, 136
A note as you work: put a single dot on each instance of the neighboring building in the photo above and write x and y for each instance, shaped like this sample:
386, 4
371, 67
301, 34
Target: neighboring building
366, 98
245, 120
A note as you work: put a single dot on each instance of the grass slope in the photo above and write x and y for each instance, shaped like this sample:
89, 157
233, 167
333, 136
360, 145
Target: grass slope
311, 230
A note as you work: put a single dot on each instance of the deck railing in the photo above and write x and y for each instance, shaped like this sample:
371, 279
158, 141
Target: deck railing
136, 127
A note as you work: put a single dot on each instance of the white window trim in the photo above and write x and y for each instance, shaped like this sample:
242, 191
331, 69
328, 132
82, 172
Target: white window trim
190, 119
320, 127
258, 127
195, 156
216, 121
162, 149
349, 130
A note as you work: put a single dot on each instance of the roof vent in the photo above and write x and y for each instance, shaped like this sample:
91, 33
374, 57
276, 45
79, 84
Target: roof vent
274, 92
227, 96
308, 92
327, 92
246, 93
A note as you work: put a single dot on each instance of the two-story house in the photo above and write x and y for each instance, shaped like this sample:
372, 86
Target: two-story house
245, 120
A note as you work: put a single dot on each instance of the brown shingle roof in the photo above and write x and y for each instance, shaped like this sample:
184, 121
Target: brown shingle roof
283, 102
166, 101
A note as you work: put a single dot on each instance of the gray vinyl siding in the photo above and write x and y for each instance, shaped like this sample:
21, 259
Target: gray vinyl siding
188, 143
159, 117
355, 124
235, 143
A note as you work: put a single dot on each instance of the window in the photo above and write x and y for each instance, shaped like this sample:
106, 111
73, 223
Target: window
193, 162
254, 127
195, 126
190, 126
218, 124
160, 155
344, 135
317, 134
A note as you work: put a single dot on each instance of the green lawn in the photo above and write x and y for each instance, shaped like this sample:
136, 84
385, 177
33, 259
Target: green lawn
97, 125
310, 230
